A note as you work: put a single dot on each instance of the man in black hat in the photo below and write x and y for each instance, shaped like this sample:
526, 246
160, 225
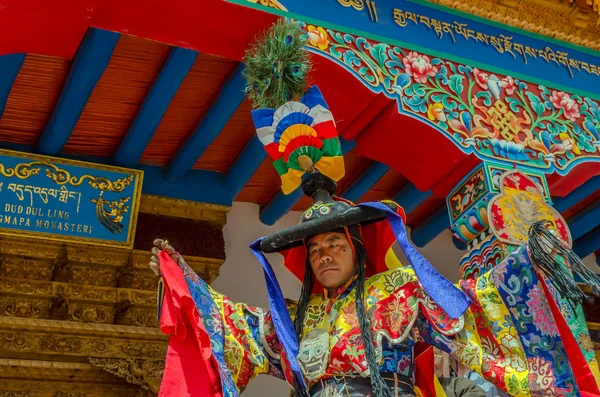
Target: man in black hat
364, 324
359, 331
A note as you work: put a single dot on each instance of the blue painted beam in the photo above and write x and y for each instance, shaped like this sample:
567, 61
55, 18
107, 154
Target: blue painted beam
244, 167
346, 146
583, 191
231, 96
174, 70
431, 227
585, 221
89, 63
198, 185
9, 69
365, 181
281, 204
587, 244
409, 197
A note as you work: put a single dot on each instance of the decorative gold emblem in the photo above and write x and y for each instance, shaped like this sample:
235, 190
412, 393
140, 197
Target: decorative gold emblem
520, 204
110, 213
62, 177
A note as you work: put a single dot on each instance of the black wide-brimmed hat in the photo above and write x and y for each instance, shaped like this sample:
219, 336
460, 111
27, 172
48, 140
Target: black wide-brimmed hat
324, 215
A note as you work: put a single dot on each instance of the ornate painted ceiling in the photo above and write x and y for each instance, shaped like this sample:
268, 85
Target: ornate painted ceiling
172, 106
158, 87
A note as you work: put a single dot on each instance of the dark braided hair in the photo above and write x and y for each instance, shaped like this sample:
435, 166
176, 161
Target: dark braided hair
377, 382
307, 286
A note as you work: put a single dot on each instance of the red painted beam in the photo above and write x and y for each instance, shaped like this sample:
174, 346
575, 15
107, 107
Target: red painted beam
56, 28
562, 186
416, 150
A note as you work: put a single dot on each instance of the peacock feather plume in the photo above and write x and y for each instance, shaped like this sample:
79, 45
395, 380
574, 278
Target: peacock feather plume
277, 66
292, 122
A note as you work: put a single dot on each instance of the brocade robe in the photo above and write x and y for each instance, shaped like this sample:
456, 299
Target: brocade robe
508, 335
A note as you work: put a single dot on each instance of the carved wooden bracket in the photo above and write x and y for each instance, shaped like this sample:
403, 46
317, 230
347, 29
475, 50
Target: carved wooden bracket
144, 373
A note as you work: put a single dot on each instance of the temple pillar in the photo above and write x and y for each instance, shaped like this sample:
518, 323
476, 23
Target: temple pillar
491, 210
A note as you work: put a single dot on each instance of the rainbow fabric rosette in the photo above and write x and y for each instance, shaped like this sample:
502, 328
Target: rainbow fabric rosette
300, 136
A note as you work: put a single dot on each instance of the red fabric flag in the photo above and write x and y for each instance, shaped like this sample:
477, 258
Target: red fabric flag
581, 369
190, 368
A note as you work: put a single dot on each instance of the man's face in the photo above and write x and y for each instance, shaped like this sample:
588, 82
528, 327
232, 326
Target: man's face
331, 259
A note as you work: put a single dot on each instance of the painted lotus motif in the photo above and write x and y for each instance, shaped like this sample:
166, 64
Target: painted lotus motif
317, 36
562, 100
419, 67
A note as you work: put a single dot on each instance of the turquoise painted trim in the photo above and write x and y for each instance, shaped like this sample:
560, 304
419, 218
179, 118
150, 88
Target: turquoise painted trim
428, 51
498, 25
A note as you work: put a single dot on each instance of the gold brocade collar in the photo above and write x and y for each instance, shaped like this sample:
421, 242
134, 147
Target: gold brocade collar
339, 291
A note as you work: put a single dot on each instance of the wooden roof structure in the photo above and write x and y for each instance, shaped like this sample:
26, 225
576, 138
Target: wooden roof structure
176, 112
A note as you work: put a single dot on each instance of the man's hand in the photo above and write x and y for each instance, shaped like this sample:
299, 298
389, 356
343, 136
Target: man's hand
161, 245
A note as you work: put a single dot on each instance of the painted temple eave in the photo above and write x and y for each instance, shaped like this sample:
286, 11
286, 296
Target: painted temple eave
442, 32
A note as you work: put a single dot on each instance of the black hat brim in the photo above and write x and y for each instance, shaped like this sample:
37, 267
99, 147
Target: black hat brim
295, 235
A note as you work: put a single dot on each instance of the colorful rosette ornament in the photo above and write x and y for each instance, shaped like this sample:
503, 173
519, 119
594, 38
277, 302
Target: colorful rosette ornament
301, 137
298, 133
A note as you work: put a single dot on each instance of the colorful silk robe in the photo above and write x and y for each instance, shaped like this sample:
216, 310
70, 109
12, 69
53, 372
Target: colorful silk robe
509, 334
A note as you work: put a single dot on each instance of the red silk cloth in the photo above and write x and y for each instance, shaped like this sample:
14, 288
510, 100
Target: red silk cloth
190, 368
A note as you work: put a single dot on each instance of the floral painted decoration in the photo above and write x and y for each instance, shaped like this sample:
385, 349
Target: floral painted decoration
493, 116
317, 37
